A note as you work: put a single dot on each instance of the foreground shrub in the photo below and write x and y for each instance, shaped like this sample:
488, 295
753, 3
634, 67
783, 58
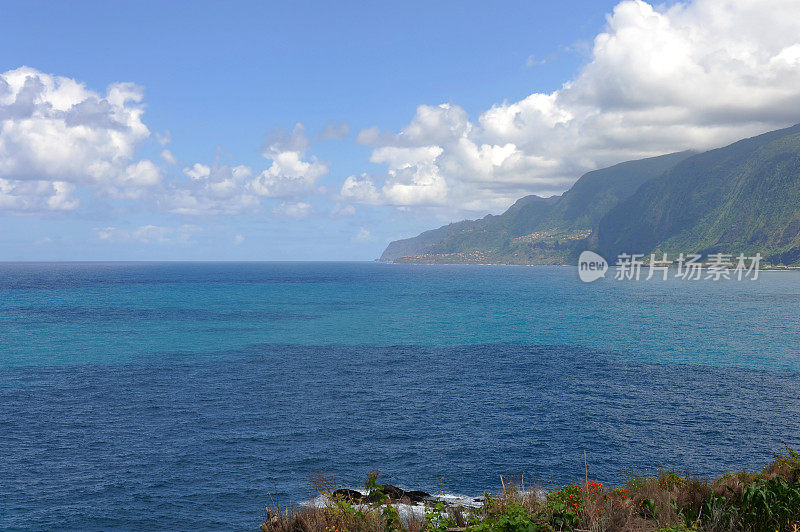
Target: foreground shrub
768, 501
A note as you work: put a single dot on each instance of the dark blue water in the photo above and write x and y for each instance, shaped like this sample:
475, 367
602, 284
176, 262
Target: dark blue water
164, 396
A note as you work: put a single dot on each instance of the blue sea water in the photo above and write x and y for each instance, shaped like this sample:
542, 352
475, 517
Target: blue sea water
181, 395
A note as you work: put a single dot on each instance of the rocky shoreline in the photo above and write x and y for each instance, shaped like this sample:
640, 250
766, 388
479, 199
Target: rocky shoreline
387, 491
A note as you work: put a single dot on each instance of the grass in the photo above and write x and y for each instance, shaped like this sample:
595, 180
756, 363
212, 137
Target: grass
767, 501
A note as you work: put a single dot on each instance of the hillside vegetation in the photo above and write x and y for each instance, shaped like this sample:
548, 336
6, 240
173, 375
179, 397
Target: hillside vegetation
742, 198
767, 501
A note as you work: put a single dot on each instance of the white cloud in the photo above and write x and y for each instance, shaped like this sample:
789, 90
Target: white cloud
222, 189
417, 184
134, 181
197, 171
292, 210
56, 135
288, 175
211, 191
343, 211
456, 170
53, 128
363, 235
360, 189
658, 79
36, 196
533, 61
401, 157
238, 239
167, 156
691, 76
147, 234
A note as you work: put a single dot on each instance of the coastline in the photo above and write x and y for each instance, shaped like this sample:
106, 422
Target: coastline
669, 501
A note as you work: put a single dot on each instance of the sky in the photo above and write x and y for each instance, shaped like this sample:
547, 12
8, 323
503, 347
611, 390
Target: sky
322, 131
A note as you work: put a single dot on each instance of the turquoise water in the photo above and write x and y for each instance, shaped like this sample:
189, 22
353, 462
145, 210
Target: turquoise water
119, 313
178, 395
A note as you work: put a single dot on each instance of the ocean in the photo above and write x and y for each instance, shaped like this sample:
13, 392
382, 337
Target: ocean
186, 395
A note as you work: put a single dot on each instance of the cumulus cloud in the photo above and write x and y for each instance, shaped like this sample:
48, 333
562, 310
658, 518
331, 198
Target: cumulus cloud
438, 160
197, 171
660, 79
293, 210
533, 61
55, 134
54, 128
222, 189
288, 175
168, 158
134, 180
147, 234
36, 196
689, 75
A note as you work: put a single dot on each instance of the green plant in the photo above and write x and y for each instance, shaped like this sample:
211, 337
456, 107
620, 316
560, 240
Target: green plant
375, 490
391, 518
340, 510
786, 464
634, 480
436, 519
670, 479
771, 504
647, 509
514, 518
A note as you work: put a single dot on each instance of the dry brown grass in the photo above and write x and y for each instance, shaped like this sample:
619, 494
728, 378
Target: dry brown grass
668, 501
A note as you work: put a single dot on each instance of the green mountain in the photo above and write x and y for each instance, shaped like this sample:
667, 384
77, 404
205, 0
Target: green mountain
534, 229
599, 191
466, 234
744, 197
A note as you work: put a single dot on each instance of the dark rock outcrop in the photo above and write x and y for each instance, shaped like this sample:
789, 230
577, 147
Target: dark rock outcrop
417, 496
380, 495
348, 495
393, 492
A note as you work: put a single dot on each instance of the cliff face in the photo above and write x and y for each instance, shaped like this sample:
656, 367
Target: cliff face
534, 230
744, 197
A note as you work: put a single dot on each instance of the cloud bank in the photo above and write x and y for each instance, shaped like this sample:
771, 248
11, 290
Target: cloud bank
690, 76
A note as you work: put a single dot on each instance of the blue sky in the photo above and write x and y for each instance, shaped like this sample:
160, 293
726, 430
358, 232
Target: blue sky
223, 85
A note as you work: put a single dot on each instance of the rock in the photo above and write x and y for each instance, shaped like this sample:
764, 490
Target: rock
348, 495
393, 492
374, 498
418, 496
387, 491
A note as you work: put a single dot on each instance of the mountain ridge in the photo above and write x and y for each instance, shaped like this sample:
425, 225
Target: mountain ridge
562, 217
743, 197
